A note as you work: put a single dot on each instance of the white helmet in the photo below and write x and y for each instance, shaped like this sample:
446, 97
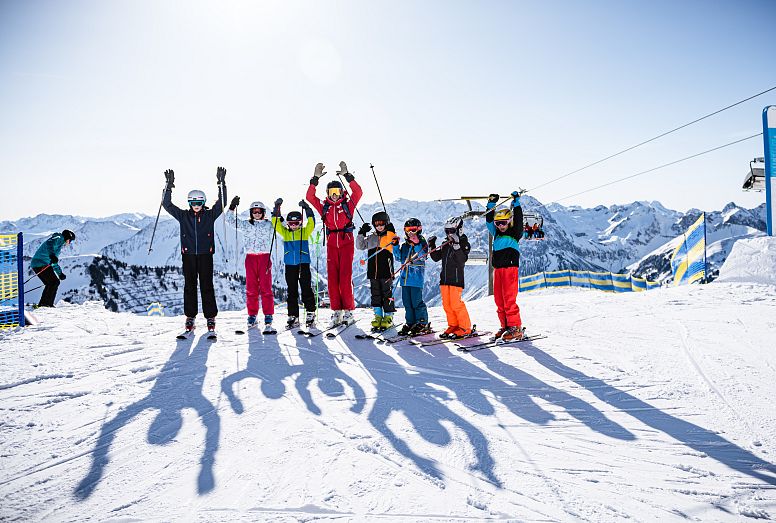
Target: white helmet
197, 196
454, 224
258, 205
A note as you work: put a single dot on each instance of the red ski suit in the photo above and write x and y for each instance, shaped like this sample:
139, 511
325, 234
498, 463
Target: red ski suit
339, 245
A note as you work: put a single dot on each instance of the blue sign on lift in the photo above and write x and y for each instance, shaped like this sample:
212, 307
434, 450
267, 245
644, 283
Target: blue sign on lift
769, 146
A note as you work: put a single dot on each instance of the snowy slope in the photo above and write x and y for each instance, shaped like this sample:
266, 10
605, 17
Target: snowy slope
649, 406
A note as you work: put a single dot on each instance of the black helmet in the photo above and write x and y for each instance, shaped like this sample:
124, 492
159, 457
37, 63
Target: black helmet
413, 222
334, 183
294, 216
380, 216
68, 235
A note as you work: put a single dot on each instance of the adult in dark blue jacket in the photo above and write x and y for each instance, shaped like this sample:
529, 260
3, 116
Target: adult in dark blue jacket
197, 247
45, 264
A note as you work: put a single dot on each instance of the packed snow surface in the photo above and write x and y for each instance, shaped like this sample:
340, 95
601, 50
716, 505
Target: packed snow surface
654, 406
751, 260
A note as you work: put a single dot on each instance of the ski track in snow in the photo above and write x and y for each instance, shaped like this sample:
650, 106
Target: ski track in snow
106, 416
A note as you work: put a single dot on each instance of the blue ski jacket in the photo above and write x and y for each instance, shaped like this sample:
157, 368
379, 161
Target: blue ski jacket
413, 274
506, 250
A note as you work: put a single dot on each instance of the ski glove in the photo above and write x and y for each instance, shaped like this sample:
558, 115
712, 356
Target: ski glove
235, 203
493, 197
220, 174
349, 177
54, 259
319, 170
395, 240
432, 242
169, 176
515, 194
62, 276
364, 229
303, 204
453, 238
278, 202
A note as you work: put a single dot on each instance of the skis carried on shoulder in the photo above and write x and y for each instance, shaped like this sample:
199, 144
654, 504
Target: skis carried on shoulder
498, 343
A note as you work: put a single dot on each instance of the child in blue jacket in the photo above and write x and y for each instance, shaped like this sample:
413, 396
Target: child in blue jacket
412, 255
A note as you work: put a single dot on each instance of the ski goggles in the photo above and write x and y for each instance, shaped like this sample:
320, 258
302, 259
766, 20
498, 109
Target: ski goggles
379, 223
451, 231
258, 209
501, 223
413, 229
194, 203
334, 191
294, 223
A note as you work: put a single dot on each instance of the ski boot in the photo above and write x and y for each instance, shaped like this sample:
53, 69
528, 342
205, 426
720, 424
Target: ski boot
449, 333
405, 330
347, 318
189, 325
377, 323
460, 333
309, 320
251, 321
268, 328
513, 334
420, 328
336, 318
498, 334
387, 322
292, 322
211, 328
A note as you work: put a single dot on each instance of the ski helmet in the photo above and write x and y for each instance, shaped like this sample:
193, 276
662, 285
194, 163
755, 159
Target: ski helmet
381, 216
294, 216
413, 225
502, 213
68, 235
454, 225
258, 205
334, 184
197, 197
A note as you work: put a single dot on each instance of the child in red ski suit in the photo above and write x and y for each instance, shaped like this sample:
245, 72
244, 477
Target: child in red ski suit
337, 211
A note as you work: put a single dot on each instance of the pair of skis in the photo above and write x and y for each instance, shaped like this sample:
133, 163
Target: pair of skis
268, 331
498, 342
331, 332
185, 335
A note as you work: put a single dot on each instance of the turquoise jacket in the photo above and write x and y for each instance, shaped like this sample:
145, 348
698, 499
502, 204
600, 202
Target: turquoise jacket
48, 253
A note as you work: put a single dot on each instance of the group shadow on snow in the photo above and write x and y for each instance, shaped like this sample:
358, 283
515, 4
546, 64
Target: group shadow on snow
418, 390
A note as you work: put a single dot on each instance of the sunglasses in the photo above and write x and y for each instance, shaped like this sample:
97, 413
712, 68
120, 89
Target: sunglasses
294, 223
257, 210
197, 203
413, 229
502, 223
379, 223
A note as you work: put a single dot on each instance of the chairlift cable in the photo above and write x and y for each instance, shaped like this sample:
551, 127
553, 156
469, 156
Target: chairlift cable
653, 138
658, 167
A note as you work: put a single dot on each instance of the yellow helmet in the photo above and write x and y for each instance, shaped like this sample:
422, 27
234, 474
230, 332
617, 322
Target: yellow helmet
503, 213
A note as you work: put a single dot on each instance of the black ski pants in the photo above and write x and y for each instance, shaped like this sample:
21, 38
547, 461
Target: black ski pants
299, 276
51, 282
382, 294
198, 268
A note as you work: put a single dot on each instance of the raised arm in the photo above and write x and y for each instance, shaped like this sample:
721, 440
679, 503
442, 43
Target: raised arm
218, 207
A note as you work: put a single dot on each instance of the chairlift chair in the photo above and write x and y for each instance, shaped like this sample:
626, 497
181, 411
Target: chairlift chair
531, 220
755, 178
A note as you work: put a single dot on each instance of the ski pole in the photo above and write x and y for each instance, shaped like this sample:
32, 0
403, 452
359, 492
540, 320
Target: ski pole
223, 210
236, 244
272, 243
34, 289
150, 245
36, 274
346, 192
378, 188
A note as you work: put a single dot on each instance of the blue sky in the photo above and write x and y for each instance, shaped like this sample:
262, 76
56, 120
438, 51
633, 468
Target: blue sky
444, 97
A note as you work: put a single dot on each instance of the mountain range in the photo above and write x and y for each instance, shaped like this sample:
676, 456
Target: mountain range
111, 261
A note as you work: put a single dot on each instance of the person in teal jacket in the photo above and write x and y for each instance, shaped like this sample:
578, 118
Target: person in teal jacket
296, 256
45, 264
